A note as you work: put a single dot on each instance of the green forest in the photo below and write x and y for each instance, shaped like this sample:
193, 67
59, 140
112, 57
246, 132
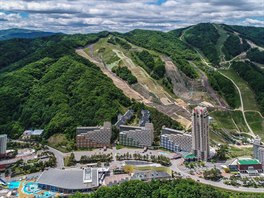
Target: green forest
256, 55
224, 87
204, 36
255, 34
254, 76
233, 47
125, 74
152, 64
180, 188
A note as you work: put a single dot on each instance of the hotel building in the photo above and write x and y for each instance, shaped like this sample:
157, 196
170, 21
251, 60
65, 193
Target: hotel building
3, 142
200, 133
136, 136
94, 137
175, 140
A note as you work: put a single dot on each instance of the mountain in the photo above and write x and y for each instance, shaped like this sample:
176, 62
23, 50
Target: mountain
63, 81
22, 33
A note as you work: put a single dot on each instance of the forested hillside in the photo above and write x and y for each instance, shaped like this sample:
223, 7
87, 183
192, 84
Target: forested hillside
204, 36
180, 188
58, 91
233, 46
22, 33
255, 34
45, 84
256, 55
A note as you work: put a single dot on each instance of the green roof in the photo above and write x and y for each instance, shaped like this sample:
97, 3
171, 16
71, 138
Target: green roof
189, 156
248, 161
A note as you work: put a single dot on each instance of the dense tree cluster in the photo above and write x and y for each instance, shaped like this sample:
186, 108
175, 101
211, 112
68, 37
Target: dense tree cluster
254, 77
224, 87
204, 36
152, 64
161, 159
256, 55
96, 158
31, 166
125, 74
213, 174
233, 46
180, 188
222, 152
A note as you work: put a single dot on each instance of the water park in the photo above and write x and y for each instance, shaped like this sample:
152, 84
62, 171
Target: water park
25, 189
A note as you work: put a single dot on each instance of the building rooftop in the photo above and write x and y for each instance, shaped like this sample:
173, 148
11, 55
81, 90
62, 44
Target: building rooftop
189, 156
248, 161
37, 132
33, 132
70, 178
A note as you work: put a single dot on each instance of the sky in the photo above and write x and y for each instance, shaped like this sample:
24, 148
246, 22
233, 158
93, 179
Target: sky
85, 16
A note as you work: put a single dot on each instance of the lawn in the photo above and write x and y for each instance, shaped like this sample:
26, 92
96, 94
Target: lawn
222, 119
232, 120
240, 152
239, 120
256, 123
248, 95
60, 142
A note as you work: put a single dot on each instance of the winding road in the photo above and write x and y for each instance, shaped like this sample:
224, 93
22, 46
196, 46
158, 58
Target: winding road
242, 104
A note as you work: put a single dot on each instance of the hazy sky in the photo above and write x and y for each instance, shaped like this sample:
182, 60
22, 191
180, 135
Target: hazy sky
72, 16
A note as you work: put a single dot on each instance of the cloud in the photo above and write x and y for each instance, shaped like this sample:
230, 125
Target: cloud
253, 22
124, 15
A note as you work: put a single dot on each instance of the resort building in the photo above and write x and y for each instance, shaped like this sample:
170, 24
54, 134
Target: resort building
3, 142
200, 133
94, 137
69, 181
175, 140
122, 119
260, 156
32, 133
258, 150
145, 116
137, 136
246, 165
249, 166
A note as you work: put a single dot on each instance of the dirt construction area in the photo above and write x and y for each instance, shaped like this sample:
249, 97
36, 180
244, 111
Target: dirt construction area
156, 96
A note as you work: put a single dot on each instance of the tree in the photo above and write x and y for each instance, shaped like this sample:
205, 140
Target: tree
213, 174
222, 152
71, 160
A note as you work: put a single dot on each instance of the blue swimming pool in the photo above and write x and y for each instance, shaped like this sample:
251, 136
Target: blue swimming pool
31, 188
13, 184
46, 194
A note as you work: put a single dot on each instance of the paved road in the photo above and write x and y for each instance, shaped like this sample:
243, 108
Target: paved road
59, 156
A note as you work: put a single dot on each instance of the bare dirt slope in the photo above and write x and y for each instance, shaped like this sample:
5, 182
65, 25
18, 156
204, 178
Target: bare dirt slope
163, 101
128, 91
